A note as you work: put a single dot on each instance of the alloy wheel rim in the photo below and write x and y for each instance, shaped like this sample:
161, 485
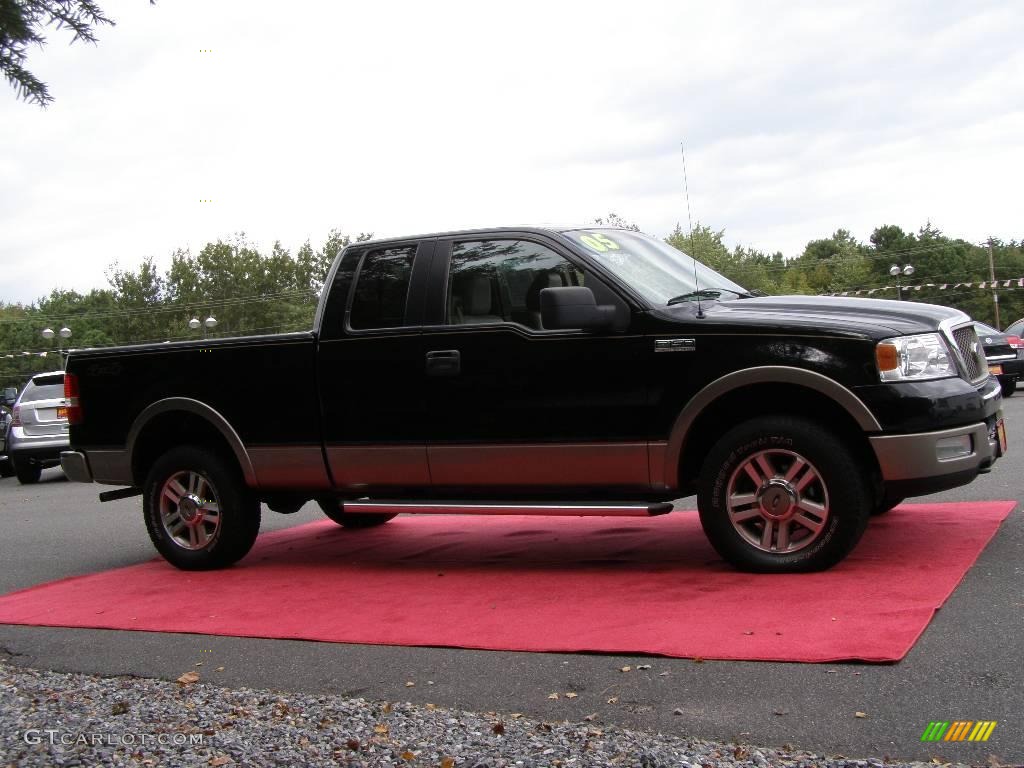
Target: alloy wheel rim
777, 501
190, 510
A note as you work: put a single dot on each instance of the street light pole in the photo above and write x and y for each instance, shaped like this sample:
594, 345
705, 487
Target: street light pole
207, 325
992, 277
63, 333
895, 271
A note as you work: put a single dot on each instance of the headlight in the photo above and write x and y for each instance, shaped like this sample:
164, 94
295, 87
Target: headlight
914, 358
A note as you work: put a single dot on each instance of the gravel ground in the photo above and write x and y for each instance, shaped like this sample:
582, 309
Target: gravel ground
58, 719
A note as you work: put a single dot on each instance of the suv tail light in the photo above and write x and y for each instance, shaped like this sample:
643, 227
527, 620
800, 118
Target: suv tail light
16, 416
71, 396
1015, 342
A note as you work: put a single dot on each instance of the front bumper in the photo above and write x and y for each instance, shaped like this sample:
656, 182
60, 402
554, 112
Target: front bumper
928, 462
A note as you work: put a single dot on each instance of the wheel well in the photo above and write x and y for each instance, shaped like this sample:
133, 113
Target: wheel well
770, 399
170, 429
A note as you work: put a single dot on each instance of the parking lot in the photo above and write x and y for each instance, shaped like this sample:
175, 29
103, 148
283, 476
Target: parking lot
966, 665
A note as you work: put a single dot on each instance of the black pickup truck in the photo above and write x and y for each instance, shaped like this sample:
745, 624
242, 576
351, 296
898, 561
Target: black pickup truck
578, 371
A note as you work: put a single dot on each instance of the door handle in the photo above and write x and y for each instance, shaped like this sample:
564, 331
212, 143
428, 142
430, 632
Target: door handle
444, 362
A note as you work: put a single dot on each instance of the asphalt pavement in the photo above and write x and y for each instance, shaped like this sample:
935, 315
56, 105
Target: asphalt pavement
968, 665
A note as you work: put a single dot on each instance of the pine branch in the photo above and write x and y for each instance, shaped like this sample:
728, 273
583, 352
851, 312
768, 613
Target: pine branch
21, 25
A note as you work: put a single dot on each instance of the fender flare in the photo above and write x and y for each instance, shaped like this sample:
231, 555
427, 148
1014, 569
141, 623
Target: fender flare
766, 374
204, 411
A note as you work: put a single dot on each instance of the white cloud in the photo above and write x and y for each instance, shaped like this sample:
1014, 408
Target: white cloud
799, 118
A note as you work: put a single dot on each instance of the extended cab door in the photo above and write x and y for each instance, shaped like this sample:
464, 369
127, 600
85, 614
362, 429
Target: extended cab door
370, 368
512, 404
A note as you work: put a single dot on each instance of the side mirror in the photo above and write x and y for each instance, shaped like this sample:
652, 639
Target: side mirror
574, 307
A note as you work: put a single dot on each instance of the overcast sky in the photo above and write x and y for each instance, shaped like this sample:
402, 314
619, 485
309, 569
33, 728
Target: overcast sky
395, 118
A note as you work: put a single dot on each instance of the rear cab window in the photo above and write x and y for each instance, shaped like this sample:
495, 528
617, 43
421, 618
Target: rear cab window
374, 289
381, 288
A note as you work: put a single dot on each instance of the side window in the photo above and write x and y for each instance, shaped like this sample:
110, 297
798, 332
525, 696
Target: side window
495, 281
382, 287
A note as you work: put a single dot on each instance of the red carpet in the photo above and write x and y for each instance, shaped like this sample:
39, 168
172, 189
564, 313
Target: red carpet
636, 585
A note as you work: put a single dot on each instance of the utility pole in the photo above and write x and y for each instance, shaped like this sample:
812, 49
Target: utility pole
992, 277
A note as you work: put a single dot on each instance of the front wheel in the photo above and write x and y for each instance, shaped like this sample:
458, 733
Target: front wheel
199, 513
1009, 387
336, 511
781, 495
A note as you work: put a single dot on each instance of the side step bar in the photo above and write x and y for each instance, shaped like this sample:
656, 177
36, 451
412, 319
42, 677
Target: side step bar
486, 508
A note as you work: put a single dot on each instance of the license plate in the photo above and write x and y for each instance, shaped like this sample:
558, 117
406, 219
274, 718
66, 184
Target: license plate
62, 413
995, 370
1001, 432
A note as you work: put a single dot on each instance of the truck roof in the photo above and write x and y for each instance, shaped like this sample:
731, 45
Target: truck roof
538, 229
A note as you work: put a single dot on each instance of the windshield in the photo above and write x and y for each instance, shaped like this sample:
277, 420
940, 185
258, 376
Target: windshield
655, 269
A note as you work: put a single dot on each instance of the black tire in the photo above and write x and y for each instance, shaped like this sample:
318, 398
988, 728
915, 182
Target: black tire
886, 505
336, 511
218, 480
1008, 387
28, 471
6, 468
837, 491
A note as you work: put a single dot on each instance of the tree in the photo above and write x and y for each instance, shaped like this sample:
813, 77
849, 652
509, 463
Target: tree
748, 267
21, 25
614, 220
704, 244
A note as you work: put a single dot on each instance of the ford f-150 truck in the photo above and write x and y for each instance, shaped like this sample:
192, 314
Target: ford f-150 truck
578, 371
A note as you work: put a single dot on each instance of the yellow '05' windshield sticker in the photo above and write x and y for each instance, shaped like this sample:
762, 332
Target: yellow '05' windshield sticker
595, 241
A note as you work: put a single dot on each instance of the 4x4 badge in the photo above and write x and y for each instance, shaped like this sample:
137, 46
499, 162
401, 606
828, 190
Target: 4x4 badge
674, 345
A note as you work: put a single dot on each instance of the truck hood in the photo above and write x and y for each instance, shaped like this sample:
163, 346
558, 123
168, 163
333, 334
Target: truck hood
875, 318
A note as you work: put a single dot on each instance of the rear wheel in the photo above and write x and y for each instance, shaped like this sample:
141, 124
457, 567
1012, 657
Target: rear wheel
781, 495
1009, 387
199, 513
336, 511
28, 471
6, 468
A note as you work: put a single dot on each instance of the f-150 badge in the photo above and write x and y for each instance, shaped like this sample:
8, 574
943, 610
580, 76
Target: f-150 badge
674, 345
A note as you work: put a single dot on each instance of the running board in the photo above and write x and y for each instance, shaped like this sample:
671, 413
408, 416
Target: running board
483, 508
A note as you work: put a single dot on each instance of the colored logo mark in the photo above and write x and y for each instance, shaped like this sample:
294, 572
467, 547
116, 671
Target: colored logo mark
959, 730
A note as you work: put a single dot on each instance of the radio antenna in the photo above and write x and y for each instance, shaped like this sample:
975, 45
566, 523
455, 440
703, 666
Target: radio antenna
689, 218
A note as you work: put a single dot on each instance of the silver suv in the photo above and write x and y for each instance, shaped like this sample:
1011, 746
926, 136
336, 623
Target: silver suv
39, 431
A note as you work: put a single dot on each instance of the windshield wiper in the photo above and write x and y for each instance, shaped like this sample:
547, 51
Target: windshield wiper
703, 293
711, 293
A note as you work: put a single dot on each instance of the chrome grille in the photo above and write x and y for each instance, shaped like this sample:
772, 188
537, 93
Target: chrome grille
971, 352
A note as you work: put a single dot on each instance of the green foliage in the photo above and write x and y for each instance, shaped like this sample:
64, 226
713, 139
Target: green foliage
246, 290
614, 220
841, 263
753, 269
